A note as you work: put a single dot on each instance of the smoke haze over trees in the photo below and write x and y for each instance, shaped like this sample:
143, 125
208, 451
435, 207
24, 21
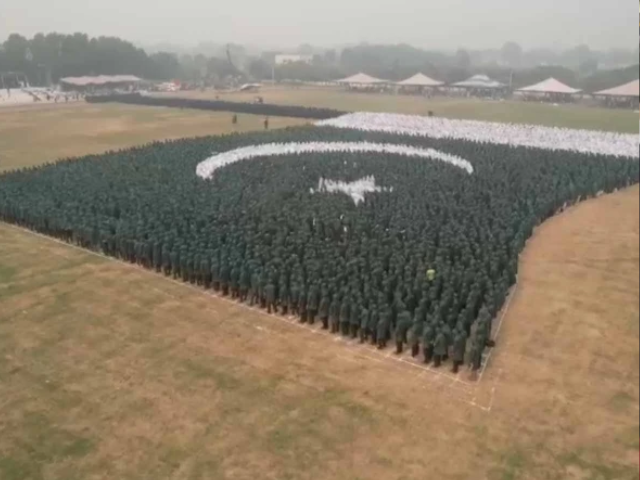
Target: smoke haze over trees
46, 58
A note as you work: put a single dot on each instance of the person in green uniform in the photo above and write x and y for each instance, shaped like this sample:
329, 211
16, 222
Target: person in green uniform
440, 349
166, 260
283, 297
270, 297
384, 323
205, 269
323, 311
402, 327
354, 319
302, 305
225, 274
364, 324
175, 263
334, 314
245, 282
294, 295
484, 326
254, 292
234, 282
459, 351
262, 292
345, 310
448, 336
312, 304
428, 339
416, 332
372, 327
475, 355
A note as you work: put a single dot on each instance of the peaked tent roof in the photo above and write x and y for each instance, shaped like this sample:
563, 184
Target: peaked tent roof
100, 80
631, 89
550, 85
363, 79
479, 81
420, 80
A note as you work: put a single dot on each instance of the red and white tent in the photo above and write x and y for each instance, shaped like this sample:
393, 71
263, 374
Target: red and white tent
551, 85
420, 80
631, 89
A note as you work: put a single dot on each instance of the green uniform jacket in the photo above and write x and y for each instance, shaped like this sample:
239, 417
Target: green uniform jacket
364, 319
383, 325
270, 293
324, 307
440, 345
459, 348
403, 326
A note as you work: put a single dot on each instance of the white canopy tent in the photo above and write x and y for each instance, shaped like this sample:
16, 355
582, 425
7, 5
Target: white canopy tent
628, 90
362, 79
550, 86
100, 80
479, 82
420, 80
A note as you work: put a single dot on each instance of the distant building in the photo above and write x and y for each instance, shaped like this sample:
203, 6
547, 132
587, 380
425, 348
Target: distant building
283, 59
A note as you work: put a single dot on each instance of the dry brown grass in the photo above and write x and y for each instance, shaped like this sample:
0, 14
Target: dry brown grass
108, 371
31, 135
111, 372
569, 116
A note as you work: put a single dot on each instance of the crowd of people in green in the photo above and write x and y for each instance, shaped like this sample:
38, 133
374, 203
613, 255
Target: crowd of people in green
426, 265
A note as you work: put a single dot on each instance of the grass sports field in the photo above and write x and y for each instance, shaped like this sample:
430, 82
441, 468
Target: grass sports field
569, 116
108, 371
33, 135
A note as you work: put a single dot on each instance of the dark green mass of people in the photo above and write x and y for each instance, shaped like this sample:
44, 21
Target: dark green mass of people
424, 267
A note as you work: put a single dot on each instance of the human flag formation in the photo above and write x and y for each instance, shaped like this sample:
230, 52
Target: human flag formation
385, 228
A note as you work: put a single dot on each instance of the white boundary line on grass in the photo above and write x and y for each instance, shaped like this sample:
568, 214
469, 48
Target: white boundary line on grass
434, 379
289, 320
505, 310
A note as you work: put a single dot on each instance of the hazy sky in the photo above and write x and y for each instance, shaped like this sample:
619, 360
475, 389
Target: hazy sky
441, 24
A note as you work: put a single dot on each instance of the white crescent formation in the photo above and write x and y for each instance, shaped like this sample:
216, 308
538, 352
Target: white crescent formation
207, 168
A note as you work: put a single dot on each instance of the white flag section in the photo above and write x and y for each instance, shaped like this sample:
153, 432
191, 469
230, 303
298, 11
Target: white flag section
356, 190
583, 141
207, 168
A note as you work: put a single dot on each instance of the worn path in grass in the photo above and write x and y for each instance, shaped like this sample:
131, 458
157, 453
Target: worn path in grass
569, 116
31, 135
108, 371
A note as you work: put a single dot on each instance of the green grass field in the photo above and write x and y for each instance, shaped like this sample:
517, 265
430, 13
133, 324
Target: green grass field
111, 372
569, 116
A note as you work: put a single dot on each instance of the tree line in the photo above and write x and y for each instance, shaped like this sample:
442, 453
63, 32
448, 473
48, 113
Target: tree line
46, 58
512, 65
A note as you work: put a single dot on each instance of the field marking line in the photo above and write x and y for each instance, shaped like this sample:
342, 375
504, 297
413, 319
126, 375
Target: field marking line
388, 356
427, 383
505, 310
494, 389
